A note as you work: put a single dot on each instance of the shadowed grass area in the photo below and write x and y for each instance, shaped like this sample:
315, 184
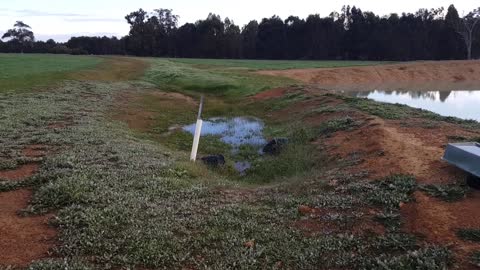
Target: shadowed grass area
27, 71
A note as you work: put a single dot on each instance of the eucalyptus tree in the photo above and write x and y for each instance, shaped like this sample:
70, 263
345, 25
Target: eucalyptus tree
467, 28
21, 33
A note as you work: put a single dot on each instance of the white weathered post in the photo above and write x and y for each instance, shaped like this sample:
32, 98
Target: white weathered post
198, 132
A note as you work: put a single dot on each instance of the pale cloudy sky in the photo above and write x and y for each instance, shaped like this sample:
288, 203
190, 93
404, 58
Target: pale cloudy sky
60, 19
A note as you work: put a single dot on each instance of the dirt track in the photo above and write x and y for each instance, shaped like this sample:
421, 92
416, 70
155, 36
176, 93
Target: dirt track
441, 75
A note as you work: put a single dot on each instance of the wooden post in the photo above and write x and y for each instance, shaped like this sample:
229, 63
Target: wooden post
198, 132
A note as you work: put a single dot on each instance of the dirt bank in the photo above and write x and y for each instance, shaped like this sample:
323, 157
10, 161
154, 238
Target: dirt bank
426, 76
413, 146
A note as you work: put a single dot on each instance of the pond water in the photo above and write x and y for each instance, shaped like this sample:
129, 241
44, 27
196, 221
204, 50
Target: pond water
235, 131
461, 104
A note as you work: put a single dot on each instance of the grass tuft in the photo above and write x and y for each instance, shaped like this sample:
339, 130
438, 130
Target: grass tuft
332, 126
449, 193
472, 235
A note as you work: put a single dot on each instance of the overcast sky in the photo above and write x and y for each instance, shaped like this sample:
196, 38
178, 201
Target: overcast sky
60, 19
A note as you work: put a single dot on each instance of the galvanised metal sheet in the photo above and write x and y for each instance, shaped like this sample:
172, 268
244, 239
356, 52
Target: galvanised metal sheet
465, 156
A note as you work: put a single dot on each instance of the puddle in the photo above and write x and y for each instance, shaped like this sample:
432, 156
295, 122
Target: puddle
461, 104
236, 132
242, 167
233, 131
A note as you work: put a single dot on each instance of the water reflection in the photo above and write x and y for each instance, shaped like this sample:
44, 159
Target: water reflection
461, 104
433, 95
233, 131
236, 132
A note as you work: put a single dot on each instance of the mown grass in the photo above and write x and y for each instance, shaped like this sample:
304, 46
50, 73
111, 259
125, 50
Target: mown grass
27, 71
272, 64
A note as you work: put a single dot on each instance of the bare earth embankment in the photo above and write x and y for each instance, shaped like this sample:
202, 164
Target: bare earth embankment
441, 75
395, 142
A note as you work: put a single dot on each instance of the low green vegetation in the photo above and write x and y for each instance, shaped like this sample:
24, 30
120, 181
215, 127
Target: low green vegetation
469, 234
26, 71
339, 124
449, 193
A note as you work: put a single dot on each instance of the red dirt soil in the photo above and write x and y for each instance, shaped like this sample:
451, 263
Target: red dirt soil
441, 75
20, 173
36, 150
274, 93
387, 148
23, 239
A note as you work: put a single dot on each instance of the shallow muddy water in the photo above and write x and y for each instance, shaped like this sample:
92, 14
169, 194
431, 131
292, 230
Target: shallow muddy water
235, 131
461, 104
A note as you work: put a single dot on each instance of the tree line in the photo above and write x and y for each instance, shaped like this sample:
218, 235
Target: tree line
351, 34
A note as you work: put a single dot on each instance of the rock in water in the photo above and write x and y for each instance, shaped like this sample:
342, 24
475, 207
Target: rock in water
214, 160
275, 146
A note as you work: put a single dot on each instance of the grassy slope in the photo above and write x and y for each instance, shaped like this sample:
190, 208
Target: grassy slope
25, 71
215, 80
129, 202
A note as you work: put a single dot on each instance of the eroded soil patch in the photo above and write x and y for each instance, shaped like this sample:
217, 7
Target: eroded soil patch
21, 172
23, 239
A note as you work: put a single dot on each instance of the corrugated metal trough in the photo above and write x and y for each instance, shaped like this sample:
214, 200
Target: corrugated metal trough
465, 156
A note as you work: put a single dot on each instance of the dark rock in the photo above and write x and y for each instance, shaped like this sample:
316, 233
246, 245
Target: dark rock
274, 147
214, 160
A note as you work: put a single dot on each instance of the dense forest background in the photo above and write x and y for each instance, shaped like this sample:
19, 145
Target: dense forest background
347, 35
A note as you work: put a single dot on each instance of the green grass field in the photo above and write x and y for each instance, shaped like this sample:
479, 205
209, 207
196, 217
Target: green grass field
271, 64
125, 196
20, 72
